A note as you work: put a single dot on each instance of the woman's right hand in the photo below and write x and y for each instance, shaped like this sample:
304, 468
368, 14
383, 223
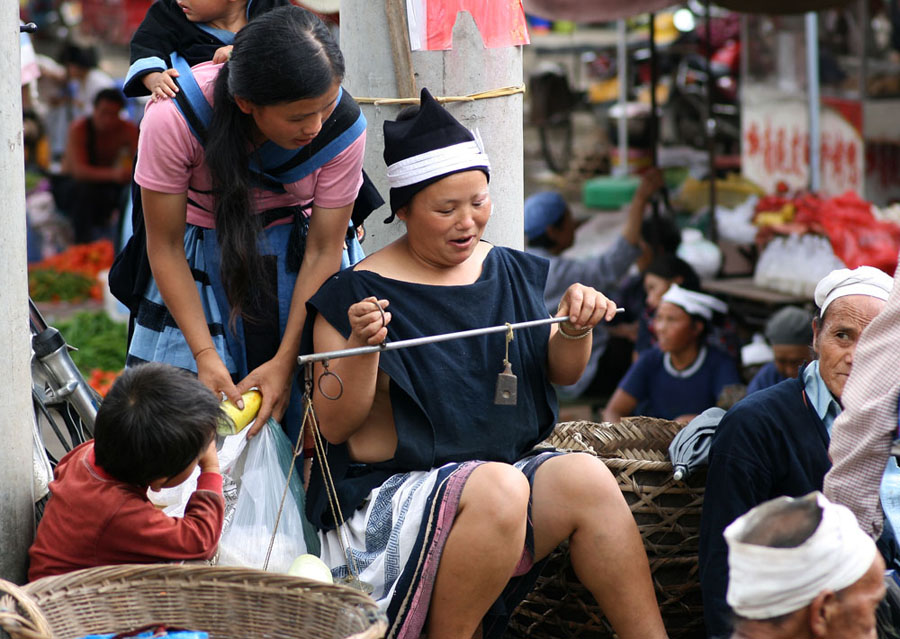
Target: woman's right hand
368, 322
213, 373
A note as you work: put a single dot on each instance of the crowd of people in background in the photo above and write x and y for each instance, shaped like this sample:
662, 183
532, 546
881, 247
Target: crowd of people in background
80, 137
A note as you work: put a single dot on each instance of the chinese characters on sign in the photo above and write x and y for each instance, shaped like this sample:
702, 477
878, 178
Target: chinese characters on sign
776, 148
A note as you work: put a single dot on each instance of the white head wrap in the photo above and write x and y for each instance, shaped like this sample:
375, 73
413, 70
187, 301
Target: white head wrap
437, 162
694, 303
865, 280
766, 582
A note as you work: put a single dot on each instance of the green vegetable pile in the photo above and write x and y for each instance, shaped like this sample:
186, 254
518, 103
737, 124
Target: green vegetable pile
48, 285
101, 342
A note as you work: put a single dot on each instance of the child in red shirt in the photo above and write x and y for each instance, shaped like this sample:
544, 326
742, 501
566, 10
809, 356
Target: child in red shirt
155, 426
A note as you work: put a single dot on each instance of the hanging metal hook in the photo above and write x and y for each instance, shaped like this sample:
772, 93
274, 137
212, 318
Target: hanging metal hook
329, 373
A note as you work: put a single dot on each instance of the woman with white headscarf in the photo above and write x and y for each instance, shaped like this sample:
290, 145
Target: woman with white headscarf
681, 376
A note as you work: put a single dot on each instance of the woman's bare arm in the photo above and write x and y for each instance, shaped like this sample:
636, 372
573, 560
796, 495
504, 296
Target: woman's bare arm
340, 418
164, 216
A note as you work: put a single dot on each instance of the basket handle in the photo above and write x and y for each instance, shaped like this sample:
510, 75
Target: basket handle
20, 615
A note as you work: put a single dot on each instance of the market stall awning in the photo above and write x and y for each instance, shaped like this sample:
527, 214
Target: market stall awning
605, 10
592, 10
781, 6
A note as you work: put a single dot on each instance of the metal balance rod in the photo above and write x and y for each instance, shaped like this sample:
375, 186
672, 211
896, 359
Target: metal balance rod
430, 339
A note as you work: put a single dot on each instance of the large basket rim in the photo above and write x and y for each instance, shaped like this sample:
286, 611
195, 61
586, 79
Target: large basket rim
48, 596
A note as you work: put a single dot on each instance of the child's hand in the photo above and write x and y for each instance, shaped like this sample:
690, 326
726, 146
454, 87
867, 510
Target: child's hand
222, 54
161, 84
209, 460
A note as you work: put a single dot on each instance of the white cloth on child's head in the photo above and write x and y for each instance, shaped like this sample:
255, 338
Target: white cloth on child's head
694, 303
865, 280
765, 582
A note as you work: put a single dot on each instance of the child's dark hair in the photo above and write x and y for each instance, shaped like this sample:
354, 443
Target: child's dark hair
661, 234
110, 95
671, 267
283, 55
81, 55
154, 422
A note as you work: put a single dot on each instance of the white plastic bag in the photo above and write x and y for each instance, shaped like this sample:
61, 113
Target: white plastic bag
246, 538
174, 500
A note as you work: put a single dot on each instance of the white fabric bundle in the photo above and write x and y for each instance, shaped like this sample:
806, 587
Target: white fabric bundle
865, 280
765, 582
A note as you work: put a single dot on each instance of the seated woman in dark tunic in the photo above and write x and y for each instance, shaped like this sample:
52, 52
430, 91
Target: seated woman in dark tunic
681, 376
448, 510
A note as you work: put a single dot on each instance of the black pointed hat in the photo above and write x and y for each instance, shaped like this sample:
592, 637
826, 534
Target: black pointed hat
424, 145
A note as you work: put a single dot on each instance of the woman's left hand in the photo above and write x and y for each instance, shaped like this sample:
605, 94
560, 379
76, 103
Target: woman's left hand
585, 306
273, 380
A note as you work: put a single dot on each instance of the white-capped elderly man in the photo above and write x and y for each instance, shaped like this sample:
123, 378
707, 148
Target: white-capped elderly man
775, 441
802, 569
861, 442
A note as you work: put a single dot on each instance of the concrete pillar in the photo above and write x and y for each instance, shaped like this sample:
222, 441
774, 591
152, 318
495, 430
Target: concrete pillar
16, 506
467, 68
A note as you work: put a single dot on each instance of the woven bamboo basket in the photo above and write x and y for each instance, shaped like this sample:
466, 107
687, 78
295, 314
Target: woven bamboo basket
227, 603
667, 513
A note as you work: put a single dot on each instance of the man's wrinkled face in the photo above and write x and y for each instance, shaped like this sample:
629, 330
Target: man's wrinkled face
836, 335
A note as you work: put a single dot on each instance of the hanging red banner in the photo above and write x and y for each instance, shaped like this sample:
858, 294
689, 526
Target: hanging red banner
501, 23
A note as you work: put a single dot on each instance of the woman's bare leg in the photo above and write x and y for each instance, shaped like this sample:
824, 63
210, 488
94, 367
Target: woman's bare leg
575, 497
482, 550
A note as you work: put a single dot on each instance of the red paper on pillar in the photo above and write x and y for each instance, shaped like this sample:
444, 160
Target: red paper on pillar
500, 22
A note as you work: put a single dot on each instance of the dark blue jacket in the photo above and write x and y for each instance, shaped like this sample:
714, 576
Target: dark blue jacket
772, 443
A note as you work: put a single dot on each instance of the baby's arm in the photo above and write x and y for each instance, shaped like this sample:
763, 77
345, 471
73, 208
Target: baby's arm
161, 84
153, 41
222, 54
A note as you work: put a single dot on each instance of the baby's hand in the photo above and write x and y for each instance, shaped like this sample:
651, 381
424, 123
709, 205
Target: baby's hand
368, 321
222, 54
161, 84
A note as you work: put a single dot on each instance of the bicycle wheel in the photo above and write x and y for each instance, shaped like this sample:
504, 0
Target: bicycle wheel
556, 142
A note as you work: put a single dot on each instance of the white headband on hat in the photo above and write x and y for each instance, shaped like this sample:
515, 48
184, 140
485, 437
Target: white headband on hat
865, 280
437, 162
694, 303
765, 582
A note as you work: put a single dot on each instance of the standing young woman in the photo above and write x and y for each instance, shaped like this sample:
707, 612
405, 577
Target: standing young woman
234, 252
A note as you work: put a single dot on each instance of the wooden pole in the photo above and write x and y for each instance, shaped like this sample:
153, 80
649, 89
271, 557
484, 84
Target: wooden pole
400, 53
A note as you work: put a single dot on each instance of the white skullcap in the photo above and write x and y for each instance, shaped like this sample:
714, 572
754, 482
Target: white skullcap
694, 303
865, 280
765, 582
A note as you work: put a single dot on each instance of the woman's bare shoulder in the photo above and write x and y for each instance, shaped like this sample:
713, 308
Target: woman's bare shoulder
382, 261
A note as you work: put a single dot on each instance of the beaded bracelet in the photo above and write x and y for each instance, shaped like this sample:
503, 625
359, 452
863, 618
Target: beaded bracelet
580, 335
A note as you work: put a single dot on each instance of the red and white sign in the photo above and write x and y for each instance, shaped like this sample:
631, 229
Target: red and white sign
775, 146
500, 22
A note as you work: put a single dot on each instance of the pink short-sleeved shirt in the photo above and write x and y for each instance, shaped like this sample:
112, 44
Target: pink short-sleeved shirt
171, 160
